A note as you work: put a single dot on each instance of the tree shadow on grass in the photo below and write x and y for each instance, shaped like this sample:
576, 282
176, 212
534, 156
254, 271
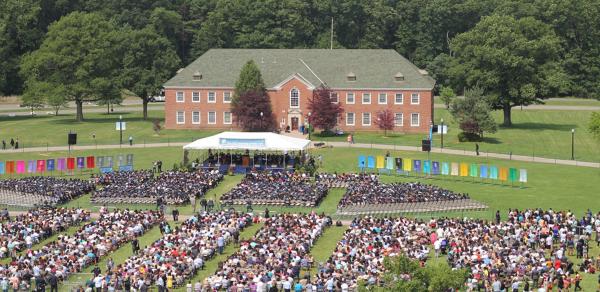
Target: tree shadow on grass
540, 127
491, 140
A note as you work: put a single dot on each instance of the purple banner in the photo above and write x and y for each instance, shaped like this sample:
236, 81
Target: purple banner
61, 164
81, 162
435, 167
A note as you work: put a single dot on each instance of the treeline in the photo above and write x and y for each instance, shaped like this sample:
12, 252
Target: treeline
428, 32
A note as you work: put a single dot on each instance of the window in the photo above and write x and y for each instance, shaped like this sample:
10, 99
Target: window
227, 118
195, 96
366, 119
226, 96
349, 119
212, 118
366, 98
399, 98
414, 98
180, 118
212, 97
294, 98
350, 98
180, 97
195, 117
415, 120
399, 119
334, 97
382, 98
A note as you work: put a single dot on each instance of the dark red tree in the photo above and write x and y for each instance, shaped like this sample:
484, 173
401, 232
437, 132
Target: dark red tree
385, 120
248, 109
324, 112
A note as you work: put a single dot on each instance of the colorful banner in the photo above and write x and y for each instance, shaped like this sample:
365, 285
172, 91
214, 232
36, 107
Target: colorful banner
455, 169
61, 164
380, 161
407, 165
100, 161
417, 165
40, 165
483, 171
493, 172
503, 173
399, 164
91, 162
50, 164
10, 167
20, 166
371, 162
70, 163
427, 167
1, 167
523, 175
31, 166
129, 159
473, 170
464, 169
362, 162
445, 168
435, 167
80, 162
389, 163
513, 175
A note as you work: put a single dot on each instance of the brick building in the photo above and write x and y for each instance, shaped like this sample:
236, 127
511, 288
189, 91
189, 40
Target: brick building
363, 81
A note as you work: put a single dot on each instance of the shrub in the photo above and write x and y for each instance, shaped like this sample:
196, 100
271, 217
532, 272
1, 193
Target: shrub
469, 137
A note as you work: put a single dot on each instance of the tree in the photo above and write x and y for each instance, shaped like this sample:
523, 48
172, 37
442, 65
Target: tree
386, 121
447, 95
156, 126
34, 97
148, 61
472, 114
56, 99
80, 52
251, 105
323, 113
594, 125
514, 59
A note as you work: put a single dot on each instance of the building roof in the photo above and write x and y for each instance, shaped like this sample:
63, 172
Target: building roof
374, 69
262, 141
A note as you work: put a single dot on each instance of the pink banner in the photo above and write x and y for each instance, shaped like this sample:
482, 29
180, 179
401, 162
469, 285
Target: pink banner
20, 166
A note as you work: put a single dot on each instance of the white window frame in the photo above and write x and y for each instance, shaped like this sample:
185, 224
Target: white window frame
199, 118
348, 94
412, 96
227, 101
363, 119
177, 94
208, 118
401, 98
379, 98
225, 120
214, 99
401, 119
337, 96
353, 119
193, 93
177, 117
298, 97
412, 124
363, 98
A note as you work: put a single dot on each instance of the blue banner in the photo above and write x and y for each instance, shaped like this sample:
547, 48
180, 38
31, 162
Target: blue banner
483, 171
371, 162
435, 167
426, 167
1, 167
50, 165
362, 163
417, 165
445, 168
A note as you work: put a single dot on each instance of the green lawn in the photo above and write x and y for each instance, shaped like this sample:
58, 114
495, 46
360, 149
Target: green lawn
325, 245
44, 130
539, 133
572, 101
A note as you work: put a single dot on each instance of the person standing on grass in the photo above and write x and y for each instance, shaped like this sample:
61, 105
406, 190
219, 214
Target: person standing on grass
3, 145
477, 149
220, 243
130, 140
12, 143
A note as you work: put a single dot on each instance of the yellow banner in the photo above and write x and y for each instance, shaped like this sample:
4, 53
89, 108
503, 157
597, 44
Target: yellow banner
407, 164
380, 162
464, 169
503, 174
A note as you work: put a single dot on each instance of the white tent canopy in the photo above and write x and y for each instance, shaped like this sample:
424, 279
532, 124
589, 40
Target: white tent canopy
256, 141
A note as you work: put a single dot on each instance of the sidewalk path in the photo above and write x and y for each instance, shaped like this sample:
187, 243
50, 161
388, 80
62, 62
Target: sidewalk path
334, 144
549, 107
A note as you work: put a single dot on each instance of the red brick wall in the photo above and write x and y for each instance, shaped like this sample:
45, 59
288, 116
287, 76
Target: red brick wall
280, 100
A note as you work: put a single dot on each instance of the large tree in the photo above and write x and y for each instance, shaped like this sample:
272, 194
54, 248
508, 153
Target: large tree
472, 114
80, 52
148, 61
251, 105
516, 60
324, 112
594, 125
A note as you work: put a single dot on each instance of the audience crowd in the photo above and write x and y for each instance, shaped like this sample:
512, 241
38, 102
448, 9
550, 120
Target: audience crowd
180, 253
274, 257
368, 191
343, 180
276, 188
246, 158
55, 190
25, 230
72, 253
173, 187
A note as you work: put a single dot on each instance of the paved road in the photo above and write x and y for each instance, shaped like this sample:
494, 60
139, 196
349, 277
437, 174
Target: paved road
339, 145
88, 109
